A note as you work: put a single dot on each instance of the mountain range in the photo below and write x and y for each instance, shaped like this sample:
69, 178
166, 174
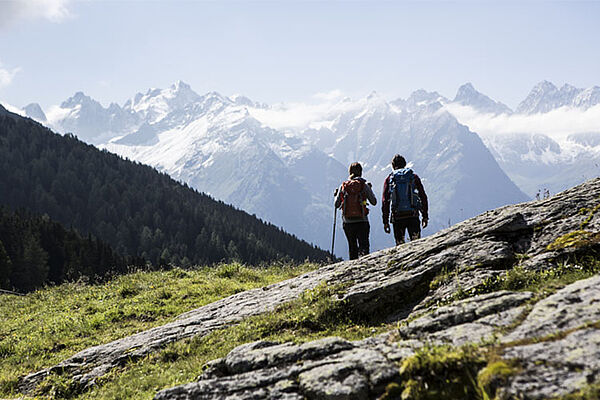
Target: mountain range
138, 211
240, 151
549, 143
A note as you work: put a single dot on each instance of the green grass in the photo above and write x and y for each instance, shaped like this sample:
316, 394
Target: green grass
590, 392
590, 215
442, 372
316, 314
577, 239
49, 325
543, 282
494, 375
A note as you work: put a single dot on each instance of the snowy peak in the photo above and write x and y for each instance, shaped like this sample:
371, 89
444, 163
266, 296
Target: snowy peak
158, 103
373, 96
181, 86
245, 101
467, 95
587, 98
545, 96
422, 96
34, 111
569, 91
544, 87
423, 100
215, 98
80, 99
374, 102
89, 120
210, 105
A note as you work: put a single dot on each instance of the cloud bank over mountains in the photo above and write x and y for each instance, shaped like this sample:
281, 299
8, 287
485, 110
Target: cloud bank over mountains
303, 115
558, 124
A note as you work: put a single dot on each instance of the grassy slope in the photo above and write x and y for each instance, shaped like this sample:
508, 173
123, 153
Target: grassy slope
47, 326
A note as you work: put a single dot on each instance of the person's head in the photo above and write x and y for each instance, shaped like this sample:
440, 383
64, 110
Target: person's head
398, 162
355, 170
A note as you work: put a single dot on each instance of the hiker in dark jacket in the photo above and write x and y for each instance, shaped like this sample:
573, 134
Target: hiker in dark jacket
406, 204
352, 199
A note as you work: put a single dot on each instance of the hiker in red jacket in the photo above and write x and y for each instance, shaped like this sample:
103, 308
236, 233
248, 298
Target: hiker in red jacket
352, 199
404, 192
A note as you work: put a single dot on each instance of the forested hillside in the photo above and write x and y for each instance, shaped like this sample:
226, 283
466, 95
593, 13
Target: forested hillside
137, 210
35, 251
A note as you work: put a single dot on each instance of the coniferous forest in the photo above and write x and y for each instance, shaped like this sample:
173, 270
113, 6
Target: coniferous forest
137, 210
35, 251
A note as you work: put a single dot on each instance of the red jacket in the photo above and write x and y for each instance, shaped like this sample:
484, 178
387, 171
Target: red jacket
386, 202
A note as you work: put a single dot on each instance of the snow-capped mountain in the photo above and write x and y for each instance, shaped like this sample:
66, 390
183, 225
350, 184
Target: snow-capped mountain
158, 103
551, 143
545, 97
34, 110
89, 120
536, 162
587, 98
217, 147
460, 175
231, 148
468, 96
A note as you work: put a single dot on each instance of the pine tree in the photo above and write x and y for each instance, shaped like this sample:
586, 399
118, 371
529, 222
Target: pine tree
5, 268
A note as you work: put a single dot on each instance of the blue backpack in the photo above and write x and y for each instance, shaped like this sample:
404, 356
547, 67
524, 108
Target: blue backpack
402, 191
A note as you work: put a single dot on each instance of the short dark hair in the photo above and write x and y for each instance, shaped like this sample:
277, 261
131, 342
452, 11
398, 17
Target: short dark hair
398, 162
355, 170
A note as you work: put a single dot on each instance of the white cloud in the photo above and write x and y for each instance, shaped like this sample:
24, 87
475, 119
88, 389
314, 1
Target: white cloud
329, 96
12, 109
557, 124
7, 76
12, 11
303, 115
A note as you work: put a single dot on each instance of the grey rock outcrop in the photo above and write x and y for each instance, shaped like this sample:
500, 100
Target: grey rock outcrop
470, 320
390, 285
572, 307
334, 368
555, 368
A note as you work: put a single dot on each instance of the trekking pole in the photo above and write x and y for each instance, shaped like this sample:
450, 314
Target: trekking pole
2, 291
334, 221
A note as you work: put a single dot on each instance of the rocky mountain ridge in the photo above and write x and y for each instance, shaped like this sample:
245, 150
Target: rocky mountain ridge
288, 174
549, 143
194, 138
467, 95
545, 96
443, 291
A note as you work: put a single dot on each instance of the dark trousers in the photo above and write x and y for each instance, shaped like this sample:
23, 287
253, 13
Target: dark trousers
412, 225
357, 234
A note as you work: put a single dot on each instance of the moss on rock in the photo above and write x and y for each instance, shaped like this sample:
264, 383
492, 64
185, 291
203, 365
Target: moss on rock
577, 239
442, 372
494, 375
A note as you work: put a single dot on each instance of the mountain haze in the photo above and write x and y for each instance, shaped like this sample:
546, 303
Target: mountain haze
229, 148
136, 209
547, 149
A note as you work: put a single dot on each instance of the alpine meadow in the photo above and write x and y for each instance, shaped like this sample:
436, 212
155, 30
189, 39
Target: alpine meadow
292, 200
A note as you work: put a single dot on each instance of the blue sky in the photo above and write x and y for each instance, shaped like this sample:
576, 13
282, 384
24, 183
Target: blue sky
288, 51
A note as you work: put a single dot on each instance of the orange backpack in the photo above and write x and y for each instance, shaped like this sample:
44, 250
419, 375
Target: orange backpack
353, 204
